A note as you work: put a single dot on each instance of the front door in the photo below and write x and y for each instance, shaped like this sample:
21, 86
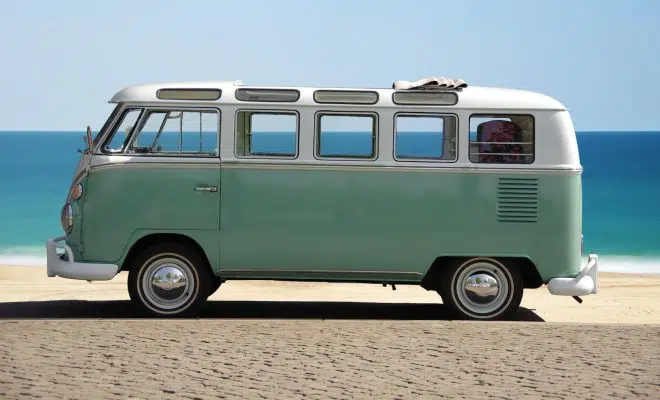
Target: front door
165, 179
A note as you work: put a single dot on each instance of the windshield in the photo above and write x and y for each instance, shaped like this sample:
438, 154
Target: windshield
105, 126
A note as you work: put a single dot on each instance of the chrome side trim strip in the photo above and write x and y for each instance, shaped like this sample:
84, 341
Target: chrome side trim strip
334, 167
398, 167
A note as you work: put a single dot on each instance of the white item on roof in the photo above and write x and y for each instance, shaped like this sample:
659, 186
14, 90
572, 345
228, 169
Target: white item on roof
433, 81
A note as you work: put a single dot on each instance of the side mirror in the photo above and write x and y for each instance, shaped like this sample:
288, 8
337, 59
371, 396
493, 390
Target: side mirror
89, 138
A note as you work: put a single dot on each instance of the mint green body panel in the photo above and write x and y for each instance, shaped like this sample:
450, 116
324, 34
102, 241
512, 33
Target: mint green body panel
335, 223
387, 222
74, 238
125, 203
560, 226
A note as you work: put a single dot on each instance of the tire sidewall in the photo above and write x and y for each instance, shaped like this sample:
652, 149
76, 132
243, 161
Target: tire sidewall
513, 296
214, 286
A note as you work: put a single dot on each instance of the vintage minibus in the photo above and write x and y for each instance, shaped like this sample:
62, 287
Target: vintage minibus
472, 192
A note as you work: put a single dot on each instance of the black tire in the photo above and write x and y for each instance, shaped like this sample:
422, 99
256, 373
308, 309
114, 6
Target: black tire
466, 288
215, 285
166, 296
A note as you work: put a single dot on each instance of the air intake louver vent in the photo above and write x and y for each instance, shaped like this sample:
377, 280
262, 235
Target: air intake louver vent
517, 200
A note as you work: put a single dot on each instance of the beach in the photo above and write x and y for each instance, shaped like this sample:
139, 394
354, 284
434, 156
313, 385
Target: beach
26, 292
77, 340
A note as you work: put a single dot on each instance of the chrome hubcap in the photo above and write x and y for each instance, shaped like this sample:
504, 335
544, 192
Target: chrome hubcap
168, 283
482, 287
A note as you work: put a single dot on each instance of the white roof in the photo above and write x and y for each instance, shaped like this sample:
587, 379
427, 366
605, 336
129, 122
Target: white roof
471, 97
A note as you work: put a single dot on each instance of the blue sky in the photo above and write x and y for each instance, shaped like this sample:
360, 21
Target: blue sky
61, 61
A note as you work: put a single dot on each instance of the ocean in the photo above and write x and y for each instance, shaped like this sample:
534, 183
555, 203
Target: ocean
621, 184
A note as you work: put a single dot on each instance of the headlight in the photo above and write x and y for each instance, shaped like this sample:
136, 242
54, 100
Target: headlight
66, 218
76, 192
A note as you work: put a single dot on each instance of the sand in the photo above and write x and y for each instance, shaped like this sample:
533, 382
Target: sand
70, 339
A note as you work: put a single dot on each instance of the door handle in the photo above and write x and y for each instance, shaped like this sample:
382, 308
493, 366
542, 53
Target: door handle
202, 188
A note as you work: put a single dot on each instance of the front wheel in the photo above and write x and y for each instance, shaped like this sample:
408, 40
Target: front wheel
169, 280
215, 284
482, 288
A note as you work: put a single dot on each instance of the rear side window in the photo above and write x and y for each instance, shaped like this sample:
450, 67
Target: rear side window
502, 139
425, 137
347, 135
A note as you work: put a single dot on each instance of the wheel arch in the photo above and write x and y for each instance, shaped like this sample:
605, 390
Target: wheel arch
154, 238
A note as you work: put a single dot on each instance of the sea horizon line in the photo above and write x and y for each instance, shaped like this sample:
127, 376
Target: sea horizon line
577, 130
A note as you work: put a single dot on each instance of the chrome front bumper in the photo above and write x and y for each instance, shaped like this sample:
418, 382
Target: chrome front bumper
585, 283
64, 266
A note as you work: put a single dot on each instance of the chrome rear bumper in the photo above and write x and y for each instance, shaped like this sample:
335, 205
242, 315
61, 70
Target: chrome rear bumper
585, 283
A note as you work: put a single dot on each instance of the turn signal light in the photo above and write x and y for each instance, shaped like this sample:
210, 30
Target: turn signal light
76, 192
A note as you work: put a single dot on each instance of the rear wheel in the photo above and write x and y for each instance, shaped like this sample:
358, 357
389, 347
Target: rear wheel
169, 280
481, 288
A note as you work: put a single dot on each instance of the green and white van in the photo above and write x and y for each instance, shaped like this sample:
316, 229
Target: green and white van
472, 192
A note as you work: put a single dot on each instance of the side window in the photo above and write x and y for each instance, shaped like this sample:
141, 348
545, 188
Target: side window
346, 135
266, 134
116, 141
425, 137
178, 132
502, 139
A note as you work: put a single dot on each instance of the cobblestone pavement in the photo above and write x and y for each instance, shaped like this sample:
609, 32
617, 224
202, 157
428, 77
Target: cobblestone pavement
314, 358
